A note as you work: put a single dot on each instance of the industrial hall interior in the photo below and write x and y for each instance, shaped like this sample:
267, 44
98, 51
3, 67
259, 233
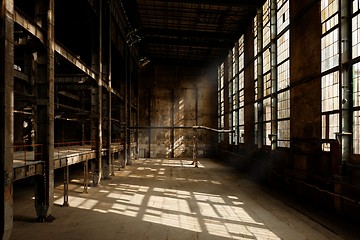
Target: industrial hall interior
169, 119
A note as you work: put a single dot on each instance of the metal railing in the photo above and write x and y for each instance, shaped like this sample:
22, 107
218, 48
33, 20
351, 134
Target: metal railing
28, 153
63, 149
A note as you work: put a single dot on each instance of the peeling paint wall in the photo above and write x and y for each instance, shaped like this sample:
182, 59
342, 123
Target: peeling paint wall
172, 100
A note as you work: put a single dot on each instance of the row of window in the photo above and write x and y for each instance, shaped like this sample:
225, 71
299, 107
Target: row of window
272, 81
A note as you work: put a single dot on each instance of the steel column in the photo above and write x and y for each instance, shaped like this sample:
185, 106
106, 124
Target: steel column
97, 105
44, 194
6, 116
106, 97
260, 77
126, 107
149, 118
66, 185
137, 115
106, 143
86, 176
128, 120
345, 69
195, 140
111, 159
273, 59
172, 119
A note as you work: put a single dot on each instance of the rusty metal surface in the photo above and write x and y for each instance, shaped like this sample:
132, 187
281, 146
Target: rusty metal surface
6, 116
189, 32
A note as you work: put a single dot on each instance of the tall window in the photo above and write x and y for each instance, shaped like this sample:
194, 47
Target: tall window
283, 69
256, 100
232, 61
356, 108
330, 85
266, 73
221, 100
356, 75
241, 90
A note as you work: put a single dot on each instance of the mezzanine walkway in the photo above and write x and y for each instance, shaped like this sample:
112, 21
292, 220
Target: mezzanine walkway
26, 163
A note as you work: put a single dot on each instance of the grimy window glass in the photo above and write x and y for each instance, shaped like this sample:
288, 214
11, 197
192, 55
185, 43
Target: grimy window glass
256, 118
221, 100
356, 75
330, 85
241, 92
266, 74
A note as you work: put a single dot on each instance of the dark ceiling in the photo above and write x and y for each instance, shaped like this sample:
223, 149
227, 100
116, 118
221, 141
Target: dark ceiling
188, 31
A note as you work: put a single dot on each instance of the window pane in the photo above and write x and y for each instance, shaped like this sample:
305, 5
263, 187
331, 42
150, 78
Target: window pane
330, 92
356, 85
284, 133
356, 137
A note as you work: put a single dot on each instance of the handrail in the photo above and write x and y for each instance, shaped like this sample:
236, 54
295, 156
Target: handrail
214, 129
71, 147
182, 127
29, 152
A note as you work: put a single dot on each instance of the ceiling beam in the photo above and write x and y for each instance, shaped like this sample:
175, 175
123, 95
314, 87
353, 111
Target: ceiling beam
190, 42
220, 36
180, 61
221, 3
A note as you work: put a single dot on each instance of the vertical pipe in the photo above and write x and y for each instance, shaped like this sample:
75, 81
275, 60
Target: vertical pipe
51, 105
172, 119
273, 59
149, 119
126, 107
66, 185
137, 114
260, 77
129, 108
82, 133
195, 139
6, 116
196, 113
98, 137
345, 80
86, 176
93, 122
110, 156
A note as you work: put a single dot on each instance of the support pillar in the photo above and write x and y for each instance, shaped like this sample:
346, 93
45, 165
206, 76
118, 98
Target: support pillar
129, 110
106, 97
96, 101
195, 139
96, 135
345, 68
6, 116
137, 115
126, 107
86, 176
83, 133
66, 186
106, 160
172, 124
44, 193
109, 130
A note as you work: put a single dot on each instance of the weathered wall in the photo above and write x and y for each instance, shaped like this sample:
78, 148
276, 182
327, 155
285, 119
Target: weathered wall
172, 100
304, 169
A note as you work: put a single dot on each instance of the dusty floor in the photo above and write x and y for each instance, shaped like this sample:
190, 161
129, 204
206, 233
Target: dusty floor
170, 199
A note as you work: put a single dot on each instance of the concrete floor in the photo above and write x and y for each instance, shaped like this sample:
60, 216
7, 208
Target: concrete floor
170, 199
